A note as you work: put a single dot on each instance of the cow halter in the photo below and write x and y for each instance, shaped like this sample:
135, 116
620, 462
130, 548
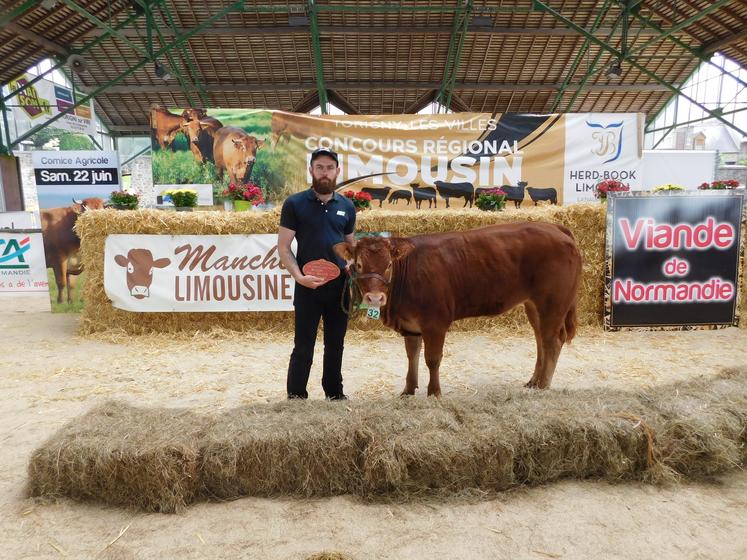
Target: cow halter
378, 277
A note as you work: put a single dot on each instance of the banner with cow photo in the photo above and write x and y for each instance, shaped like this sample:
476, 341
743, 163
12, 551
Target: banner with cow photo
402, 161
149, 273
69, 183
673, 260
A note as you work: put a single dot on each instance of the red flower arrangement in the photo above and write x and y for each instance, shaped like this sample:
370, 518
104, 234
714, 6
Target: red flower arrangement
361, 200
719, 185
608, 186
249, 192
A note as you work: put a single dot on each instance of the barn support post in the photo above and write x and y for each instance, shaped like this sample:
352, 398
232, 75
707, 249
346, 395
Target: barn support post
579, 57
453, 57
5, 145
643, 69
317, 51
185, 56
236, 6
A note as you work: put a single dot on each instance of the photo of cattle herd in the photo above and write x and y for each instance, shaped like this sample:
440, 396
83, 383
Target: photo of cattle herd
223, 146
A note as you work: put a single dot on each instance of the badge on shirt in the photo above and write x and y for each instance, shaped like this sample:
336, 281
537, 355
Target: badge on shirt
341, 213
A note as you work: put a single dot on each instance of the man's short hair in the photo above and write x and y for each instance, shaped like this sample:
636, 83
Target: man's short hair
324, 152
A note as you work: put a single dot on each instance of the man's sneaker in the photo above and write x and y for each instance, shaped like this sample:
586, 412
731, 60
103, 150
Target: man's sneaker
340, 397
293, 396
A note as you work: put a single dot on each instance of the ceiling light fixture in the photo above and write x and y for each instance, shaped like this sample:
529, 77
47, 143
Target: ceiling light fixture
161, 71
615, 69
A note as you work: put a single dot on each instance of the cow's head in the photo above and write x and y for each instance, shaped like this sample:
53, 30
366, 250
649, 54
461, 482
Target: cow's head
371, 263
80, 206
193, 114
140, 264
246, 147
192, 129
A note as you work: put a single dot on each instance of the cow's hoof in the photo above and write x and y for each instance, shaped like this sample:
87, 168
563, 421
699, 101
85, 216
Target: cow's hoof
407, 393
531, 384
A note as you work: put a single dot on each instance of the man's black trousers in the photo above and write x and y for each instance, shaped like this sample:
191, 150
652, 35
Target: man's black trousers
311, 306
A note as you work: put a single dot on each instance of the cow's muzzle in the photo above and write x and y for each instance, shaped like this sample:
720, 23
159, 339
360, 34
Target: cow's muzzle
374, 299
140, 292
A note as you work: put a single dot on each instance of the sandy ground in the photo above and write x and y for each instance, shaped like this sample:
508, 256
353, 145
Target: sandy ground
49, 376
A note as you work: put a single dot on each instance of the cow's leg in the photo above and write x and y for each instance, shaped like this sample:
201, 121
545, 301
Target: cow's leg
70, 280
413, 344
60, 275
534, 320
434, 349
553, 336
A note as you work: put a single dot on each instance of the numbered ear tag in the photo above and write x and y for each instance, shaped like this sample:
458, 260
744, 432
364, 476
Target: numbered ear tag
373, 313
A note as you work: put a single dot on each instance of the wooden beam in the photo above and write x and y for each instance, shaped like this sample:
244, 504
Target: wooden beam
37, 39
304, 86
713, 46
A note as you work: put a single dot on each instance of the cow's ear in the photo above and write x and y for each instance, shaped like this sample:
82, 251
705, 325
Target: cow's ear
260, 144
400, 248
121, 260
344, 250
161, 263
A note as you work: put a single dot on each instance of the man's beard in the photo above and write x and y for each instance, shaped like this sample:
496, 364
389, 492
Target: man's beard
323, 186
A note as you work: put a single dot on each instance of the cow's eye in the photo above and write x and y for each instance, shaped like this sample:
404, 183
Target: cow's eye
130, 268
359, 267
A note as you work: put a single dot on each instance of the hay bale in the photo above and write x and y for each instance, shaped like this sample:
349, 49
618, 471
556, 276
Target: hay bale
123, 455
161, 460
587, 221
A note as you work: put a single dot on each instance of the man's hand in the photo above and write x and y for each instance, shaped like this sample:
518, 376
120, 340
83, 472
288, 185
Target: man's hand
312, 282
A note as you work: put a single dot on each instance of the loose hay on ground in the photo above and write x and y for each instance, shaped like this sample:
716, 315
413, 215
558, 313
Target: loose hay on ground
164, 459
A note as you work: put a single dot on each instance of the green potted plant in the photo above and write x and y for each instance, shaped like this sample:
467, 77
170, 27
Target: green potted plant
122, 200
492, 200
183, 199
244, 196
667, 188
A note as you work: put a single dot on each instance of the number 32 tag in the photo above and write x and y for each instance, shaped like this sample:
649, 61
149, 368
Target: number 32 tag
373, 313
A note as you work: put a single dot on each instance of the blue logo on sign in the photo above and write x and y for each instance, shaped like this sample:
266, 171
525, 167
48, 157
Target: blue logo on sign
14, 250
609, 138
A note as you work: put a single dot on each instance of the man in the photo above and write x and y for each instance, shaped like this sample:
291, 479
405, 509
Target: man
317, 218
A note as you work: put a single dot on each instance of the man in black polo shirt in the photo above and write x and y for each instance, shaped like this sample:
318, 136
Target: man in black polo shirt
318, 218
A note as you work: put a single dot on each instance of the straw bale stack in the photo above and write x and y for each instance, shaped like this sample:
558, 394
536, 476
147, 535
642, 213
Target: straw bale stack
164, 459
586, 221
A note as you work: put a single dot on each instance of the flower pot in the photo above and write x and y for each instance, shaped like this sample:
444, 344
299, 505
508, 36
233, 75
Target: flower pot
228, 205
242, 205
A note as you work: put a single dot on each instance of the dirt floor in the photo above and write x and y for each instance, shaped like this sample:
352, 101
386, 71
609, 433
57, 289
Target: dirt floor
48, 376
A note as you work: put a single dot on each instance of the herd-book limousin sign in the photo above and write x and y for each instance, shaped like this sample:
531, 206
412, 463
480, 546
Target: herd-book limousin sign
196, 273
673, 261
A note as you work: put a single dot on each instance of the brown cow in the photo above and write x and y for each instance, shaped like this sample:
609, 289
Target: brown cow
235, 151
61, 242
201, 136
140, 264
425, 283
285, 126
165, 125
193, 114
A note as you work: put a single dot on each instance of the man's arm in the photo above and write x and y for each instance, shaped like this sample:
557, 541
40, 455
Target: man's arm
285, 238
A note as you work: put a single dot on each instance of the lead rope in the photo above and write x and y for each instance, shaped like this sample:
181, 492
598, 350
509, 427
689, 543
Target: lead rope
354, 296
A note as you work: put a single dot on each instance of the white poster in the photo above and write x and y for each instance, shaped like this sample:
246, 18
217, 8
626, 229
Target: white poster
19, 220
196, 273
22, 266
598, 147
76, 174
40, 102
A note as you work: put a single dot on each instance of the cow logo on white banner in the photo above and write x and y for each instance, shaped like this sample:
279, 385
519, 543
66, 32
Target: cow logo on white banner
196, 273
